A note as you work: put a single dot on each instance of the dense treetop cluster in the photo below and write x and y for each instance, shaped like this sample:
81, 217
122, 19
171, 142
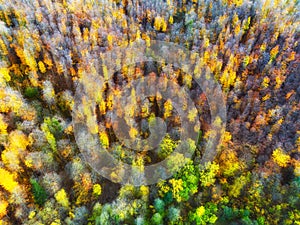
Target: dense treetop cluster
252, 48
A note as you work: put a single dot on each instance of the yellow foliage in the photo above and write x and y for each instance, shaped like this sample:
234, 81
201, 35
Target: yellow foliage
29, 163
20, 53
3, 47
263, 47
228, 78
200, 211
280, 157
105, 72
144, 190
56, 222
30, 61
266, 82
138, 163
97, 190
246, 60
233, 2
206, 56
7, 180
3, 207
229, 163
110, 40
160, 24
5, 73
11, 159
31, 215
235, 19
42, 67
15, 103
247, 24
237, 29
274, 52
192, 114
3, 125
266, 97
227, 137
62, 198
171, 20
297, 169
168, 108
18, 141
49, 136
206, 42
279, 80
239, 183
104, 139
163, 188
187, 80
85, 35
177, 187
48, 62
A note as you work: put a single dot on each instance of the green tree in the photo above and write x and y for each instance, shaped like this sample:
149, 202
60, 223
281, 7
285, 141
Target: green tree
159, 205
157, 219
39, 194
173, 214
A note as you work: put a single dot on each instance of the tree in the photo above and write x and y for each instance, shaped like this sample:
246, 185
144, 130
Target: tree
204, 214
157, 219
208, 174
62, 198
173, 214
281, 158
7, 180
3, 208
159, 205
166, 147
39, 194
97, 190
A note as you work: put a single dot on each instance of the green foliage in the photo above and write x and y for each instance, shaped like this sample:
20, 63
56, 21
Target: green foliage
31, 92
253, 57
204, 214
166, 147
52, 130
105, 218
140, 221
54, 126
190, 177
176, 161
229, 214
157, 219
39, 194
200, 137
159, 205
168, 197
95, 215
238, 184
173, 214
208, 174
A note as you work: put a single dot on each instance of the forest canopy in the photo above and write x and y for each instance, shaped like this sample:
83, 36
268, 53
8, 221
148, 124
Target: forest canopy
48, 48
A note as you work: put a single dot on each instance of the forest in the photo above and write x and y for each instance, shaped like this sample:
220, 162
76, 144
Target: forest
149, 112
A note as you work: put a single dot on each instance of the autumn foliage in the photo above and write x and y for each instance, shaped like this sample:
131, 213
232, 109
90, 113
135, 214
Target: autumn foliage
49, 48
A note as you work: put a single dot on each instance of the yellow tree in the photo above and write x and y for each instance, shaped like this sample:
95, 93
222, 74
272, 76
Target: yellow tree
280, 157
